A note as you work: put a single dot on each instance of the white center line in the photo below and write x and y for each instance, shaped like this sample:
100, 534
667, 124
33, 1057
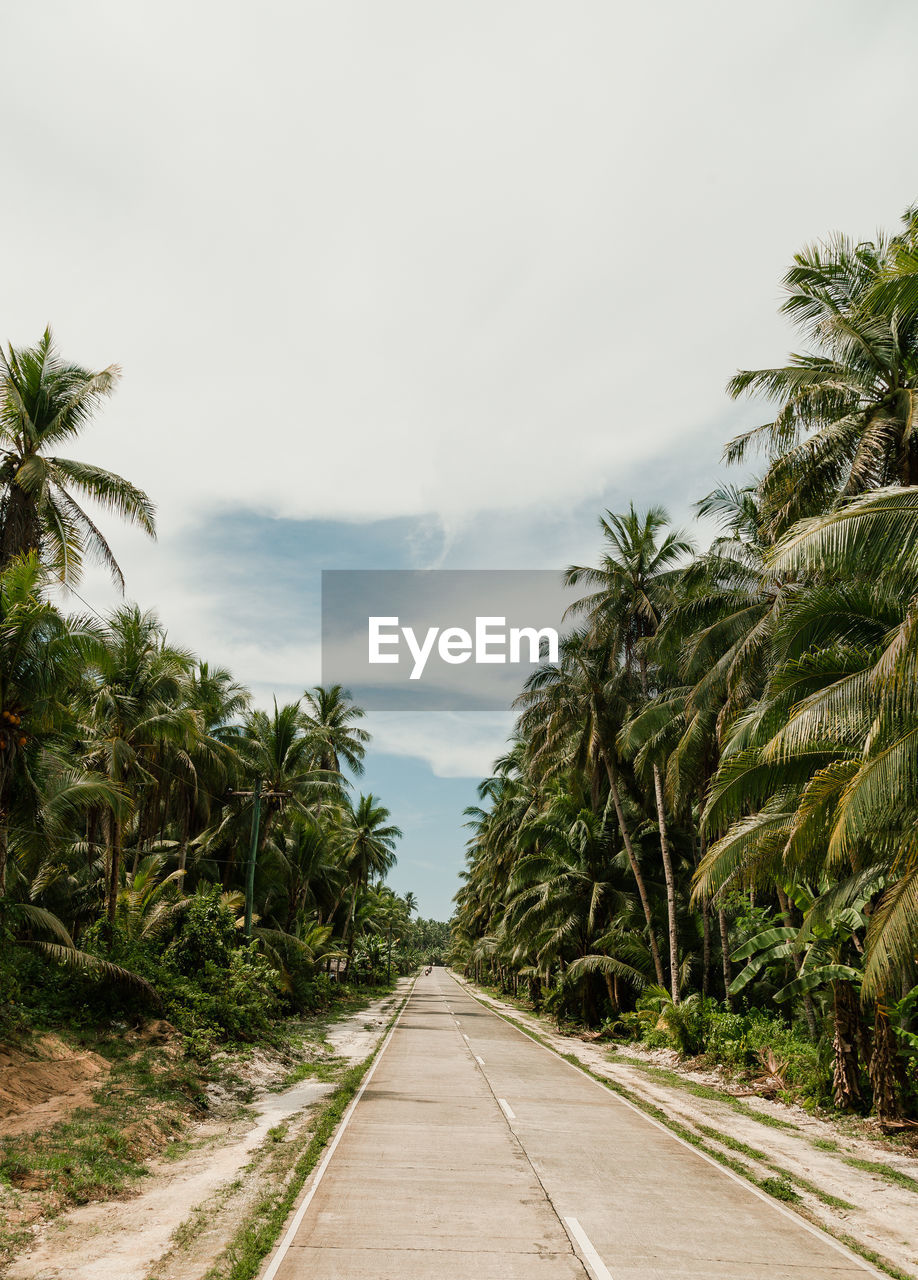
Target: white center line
505, 1107
480, 1061
598, 1269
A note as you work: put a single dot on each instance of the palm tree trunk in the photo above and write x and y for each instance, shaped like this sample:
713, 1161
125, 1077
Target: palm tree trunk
706, 949
114, 869
697, 855
725, 955
670, 887
4, 851
633, 863
613, 995
846, 1076
882, 1070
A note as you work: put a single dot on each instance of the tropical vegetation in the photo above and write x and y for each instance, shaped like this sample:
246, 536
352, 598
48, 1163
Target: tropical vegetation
704, 833
166, 846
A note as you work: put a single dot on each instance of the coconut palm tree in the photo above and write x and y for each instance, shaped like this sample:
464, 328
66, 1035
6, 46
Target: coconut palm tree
632, 587
329, 717
369, 841
41, 656
45, 402
130, 706
846, 408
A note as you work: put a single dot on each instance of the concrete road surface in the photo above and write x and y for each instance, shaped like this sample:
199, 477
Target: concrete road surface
475, 1153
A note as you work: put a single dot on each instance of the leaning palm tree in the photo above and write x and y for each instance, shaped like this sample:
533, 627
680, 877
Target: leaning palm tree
45, 402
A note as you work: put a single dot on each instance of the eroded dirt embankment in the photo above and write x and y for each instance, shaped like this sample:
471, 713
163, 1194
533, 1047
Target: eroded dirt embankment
45, 1082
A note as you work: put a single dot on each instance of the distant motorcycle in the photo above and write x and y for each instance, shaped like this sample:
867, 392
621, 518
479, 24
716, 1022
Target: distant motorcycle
427, 971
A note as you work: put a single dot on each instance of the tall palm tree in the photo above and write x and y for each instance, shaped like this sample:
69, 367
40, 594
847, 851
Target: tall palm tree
44, 402
369, 849
633, 586
131, 705
571, 715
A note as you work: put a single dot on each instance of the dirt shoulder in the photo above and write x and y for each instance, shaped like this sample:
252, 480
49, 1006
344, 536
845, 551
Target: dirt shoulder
856, 1185
177, 1203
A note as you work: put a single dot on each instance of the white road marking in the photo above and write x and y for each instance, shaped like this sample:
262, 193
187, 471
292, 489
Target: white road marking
598, 1269
480, 1061
465, 1037
320, 1171
505, 1107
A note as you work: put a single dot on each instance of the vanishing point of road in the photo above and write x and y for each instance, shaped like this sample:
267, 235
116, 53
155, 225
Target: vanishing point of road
475, 1153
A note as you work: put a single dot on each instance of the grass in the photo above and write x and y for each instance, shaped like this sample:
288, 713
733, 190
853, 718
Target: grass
781, 1188
326, 1069
666, 1076
884, 1171
99, 1150
143, 1107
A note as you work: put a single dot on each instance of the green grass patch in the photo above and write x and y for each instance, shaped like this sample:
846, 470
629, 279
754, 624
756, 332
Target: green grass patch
884, 1171
667, 1076
734, 1144
781, 1188
833, 1202
824, 1144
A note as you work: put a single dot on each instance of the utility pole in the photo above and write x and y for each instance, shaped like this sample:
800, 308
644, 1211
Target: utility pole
253, 851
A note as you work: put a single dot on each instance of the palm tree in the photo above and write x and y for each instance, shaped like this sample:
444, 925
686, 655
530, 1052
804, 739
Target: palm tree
41, 655
633, 586
131, 706
43, 403
369, 850
846, 413
571, 716
328, 718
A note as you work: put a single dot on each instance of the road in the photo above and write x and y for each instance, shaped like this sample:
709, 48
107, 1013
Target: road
476, 1153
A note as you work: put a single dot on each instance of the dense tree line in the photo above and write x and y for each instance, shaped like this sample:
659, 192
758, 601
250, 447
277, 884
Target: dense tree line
143, 796
704, 830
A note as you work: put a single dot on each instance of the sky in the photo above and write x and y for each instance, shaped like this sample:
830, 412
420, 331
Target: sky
422, 285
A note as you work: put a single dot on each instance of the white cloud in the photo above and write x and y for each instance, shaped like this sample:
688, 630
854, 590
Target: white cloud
454, 744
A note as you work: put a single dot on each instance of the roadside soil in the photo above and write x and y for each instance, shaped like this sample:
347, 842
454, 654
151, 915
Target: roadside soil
176, 1223
765, 1139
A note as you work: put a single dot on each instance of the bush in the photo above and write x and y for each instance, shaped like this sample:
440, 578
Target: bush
207, 934
238, 1000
